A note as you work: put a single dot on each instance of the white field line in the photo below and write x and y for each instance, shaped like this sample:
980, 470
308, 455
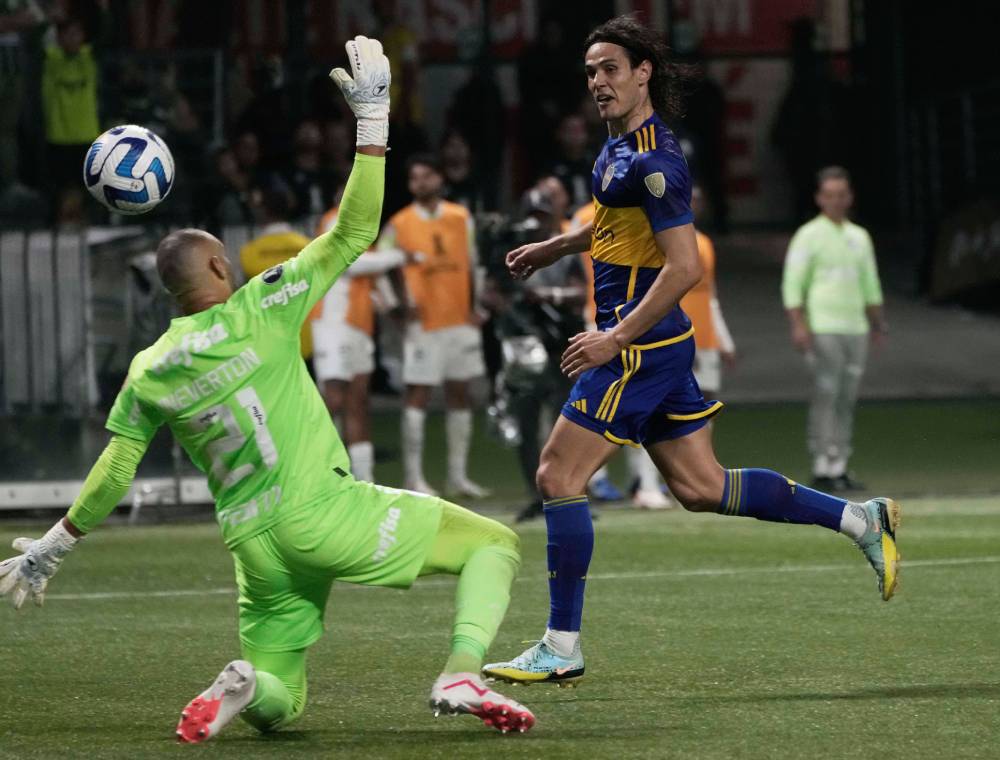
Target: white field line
708, 572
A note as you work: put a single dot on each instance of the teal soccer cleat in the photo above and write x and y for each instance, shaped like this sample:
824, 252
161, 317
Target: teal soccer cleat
879, 543
539, 664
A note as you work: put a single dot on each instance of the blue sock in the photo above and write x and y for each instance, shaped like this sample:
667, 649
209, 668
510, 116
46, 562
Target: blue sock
766, 495
570, 546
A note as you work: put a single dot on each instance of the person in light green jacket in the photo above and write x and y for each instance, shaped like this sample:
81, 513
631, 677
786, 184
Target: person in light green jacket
69, 101
833, 299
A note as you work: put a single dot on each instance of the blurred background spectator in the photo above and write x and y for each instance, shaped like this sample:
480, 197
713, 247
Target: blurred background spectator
69, 101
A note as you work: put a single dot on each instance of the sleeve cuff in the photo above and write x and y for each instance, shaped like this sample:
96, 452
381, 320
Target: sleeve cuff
677, 221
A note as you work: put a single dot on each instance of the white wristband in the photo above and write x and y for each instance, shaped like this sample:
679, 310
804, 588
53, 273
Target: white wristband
373, 132
58, 541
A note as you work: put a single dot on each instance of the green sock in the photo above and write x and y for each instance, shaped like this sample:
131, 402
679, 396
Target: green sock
280, 695
480, 603
485, 556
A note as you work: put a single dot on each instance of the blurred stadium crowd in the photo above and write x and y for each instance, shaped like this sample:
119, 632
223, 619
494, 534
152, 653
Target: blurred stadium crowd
263, 145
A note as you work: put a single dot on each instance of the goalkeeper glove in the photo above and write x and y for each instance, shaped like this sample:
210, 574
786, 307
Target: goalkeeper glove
366, 89
30, 572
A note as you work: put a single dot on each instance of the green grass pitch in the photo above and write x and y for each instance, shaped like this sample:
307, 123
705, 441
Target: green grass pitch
706, 637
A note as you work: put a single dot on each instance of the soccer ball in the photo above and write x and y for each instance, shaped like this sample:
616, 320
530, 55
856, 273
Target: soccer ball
129, 169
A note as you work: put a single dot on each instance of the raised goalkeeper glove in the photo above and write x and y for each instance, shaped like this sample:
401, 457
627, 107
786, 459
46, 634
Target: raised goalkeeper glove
30, 572
366, 89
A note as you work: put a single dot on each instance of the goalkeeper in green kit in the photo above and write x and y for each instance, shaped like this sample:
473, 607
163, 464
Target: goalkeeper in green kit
227, 379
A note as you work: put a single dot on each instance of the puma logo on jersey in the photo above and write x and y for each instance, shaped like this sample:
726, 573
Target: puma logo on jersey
192, 343
287, 292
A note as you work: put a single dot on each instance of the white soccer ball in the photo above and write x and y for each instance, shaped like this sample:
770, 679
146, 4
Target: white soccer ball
129, 169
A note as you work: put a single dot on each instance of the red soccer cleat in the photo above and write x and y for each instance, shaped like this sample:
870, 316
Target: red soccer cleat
465, 693
211, 711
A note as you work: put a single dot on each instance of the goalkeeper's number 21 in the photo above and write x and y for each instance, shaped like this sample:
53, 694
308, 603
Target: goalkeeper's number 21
234, 438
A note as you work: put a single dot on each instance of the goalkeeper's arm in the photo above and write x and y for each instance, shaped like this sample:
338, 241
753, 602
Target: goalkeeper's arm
108, 481
366, 91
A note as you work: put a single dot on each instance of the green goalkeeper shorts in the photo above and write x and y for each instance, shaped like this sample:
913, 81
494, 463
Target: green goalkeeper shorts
365, 534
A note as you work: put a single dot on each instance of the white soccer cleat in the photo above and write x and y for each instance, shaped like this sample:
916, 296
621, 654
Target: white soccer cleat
421, 486
465, 693
651, 499
214, 708
467, 488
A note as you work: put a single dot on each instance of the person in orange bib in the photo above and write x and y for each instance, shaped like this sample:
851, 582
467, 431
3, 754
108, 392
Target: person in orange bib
442, 344
712, 340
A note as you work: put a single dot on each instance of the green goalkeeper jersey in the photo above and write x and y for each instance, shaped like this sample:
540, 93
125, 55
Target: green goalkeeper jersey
231, 384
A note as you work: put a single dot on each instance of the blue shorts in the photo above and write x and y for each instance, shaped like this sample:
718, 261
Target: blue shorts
646, 395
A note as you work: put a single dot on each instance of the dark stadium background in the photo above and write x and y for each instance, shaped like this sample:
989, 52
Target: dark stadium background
903, 97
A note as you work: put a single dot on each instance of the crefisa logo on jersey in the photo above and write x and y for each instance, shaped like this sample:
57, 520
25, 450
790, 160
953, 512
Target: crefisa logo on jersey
273, 274
287, 292
192, 343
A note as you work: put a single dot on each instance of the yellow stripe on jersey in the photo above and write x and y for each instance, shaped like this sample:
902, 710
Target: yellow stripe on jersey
630, 292
623, 236
664, 342
645, 139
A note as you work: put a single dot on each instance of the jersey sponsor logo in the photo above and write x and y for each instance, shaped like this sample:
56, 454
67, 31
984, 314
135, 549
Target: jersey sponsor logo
135, 415
602, 233
254, 508
656, 183
203, 385
273, 274
281, 297
192, 343
387, 534
609, 174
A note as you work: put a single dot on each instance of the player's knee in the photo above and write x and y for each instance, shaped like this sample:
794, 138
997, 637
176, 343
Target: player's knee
503, 536
553, 480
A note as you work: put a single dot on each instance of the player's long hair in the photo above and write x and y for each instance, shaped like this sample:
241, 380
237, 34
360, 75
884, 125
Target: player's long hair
669, 81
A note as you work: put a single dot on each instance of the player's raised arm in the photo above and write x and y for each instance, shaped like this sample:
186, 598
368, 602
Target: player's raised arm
366, 90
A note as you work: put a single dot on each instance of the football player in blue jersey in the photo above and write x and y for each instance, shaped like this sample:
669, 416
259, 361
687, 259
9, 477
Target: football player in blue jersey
634, 384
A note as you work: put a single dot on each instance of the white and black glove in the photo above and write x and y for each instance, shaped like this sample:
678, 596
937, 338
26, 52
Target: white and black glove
366, 89
29, 573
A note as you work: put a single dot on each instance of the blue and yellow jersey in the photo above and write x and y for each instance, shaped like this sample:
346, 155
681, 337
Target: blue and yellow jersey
641, 186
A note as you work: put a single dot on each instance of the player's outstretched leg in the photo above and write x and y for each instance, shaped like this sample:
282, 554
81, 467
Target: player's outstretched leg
700, 483
213, 709
486, 557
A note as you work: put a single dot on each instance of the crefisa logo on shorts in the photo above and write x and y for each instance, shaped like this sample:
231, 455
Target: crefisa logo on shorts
387, 534
273, 274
